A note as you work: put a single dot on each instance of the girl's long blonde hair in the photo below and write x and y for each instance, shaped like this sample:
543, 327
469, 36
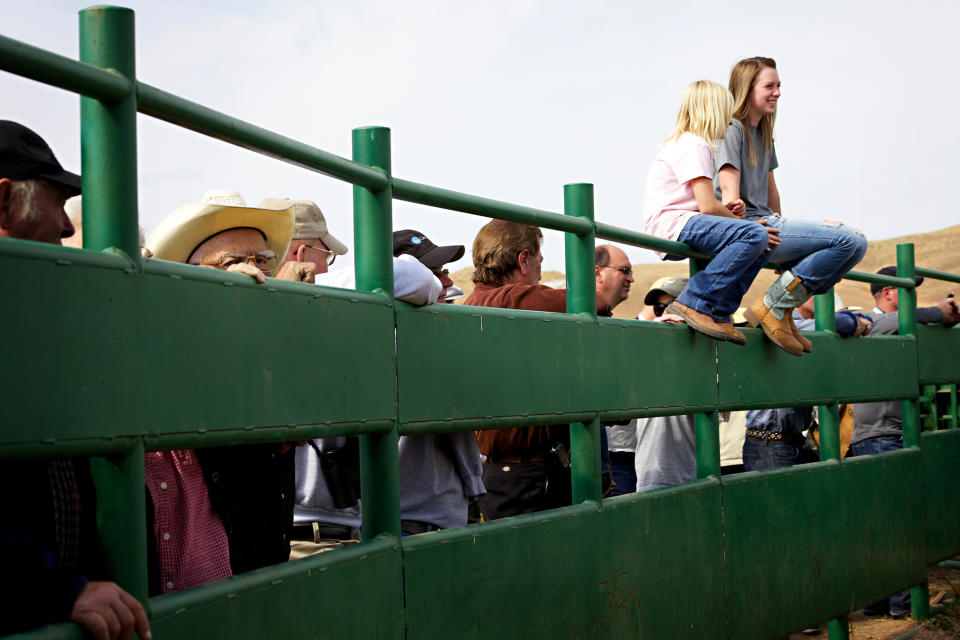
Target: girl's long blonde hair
705, 111
743, 77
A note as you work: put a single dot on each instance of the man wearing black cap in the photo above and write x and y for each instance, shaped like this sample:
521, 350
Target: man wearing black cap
33, 187
416, 244
878, 426
886, 297
440, 474
49, 549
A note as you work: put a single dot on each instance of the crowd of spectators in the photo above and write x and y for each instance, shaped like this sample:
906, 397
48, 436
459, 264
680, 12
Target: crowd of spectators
220, 511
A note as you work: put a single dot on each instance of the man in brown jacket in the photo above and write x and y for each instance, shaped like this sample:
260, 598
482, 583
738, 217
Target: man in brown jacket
527, 469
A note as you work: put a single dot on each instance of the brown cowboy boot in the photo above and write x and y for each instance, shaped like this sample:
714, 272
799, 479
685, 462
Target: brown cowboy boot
807, 347
772, 312
697, 321
732, 334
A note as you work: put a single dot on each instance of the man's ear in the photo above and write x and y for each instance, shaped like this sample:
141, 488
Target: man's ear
5, 197
523, 261
298, 254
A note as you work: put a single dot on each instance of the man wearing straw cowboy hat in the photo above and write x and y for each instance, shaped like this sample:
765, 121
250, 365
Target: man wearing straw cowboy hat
250, 487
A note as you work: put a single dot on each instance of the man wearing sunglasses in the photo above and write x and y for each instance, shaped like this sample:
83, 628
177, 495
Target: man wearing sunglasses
614, 274
658, 298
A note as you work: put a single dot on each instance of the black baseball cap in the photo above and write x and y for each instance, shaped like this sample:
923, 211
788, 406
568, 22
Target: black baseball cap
25, 155
419, 246
875, 288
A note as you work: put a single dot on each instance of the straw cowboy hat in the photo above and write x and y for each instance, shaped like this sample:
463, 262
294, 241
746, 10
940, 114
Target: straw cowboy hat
181, 232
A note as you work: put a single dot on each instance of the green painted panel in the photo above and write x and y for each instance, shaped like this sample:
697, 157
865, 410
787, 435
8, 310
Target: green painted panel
941, 500
112, 352
620, 571
763, 374
809, 543
518, 363
938, 354
348, 593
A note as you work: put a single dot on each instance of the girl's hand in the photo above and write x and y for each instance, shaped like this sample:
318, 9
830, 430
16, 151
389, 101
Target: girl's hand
773, 232
736, 207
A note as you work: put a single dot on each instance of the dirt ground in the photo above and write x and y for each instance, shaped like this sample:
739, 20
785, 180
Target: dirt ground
943, 626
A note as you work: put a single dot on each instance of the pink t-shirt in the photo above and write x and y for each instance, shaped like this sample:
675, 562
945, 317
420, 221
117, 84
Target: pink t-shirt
668, 200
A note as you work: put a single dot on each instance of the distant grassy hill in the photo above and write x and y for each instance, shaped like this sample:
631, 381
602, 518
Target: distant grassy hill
935, 250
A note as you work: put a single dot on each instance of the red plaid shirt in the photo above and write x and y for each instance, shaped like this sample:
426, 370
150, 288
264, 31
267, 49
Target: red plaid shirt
192, 545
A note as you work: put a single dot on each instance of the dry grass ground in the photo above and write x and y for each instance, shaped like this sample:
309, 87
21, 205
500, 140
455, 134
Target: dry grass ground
935, 250
944, 626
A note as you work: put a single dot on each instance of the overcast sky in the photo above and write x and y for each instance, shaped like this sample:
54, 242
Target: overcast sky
511, 100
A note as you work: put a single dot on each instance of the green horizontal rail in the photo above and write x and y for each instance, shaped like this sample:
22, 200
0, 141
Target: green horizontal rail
876, 278
62, 72
934, 274
456, 201
170, 108
637, 239
172, 603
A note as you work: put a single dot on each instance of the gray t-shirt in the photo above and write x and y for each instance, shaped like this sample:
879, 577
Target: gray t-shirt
666, 452
876, 419
735, 152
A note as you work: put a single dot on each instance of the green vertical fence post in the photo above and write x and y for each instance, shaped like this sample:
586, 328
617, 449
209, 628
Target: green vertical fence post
706, 425
950, 419
373, 239
907, 316
121, 518
707, 431
839, 628
582, 299
829, 418
108, 149
930, 418
108, 146
824, 314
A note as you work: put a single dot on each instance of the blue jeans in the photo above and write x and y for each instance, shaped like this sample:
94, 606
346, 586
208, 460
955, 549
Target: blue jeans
817, 253
624, 473
880, 444
741, 253
899, 603
759, 455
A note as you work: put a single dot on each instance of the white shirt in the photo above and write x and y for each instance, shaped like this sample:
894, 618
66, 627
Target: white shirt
412, 281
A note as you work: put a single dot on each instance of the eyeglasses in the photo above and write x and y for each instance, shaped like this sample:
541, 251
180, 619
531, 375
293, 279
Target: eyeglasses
331, 256
265, 260
659, 308
627, 271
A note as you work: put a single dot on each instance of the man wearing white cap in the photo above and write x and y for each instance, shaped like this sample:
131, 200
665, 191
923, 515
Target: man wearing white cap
313, 243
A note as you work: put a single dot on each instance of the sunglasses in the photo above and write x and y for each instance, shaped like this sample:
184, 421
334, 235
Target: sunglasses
659, 308
627, 271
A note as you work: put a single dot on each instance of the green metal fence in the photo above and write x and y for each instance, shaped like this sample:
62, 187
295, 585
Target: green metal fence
752, 556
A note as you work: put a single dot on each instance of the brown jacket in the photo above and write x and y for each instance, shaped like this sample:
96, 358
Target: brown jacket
522, 441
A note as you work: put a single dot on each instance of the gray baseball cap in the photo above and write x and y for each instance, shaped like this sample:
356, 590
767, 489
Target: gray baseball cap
669, 285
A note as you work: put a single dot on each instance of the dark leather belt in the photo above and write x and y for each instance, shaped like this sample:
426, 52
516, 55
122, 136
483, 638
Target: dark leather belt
533, 457
322, 531
795, 440
415, 527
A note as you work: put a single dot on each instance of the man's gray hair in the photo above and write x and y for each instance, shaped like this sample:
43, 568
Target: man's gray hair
23, 199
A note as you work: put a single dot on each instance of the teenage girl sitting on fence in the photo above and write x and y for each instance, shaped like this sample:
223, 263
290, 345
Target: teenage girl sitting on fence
814, 255
679, 204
